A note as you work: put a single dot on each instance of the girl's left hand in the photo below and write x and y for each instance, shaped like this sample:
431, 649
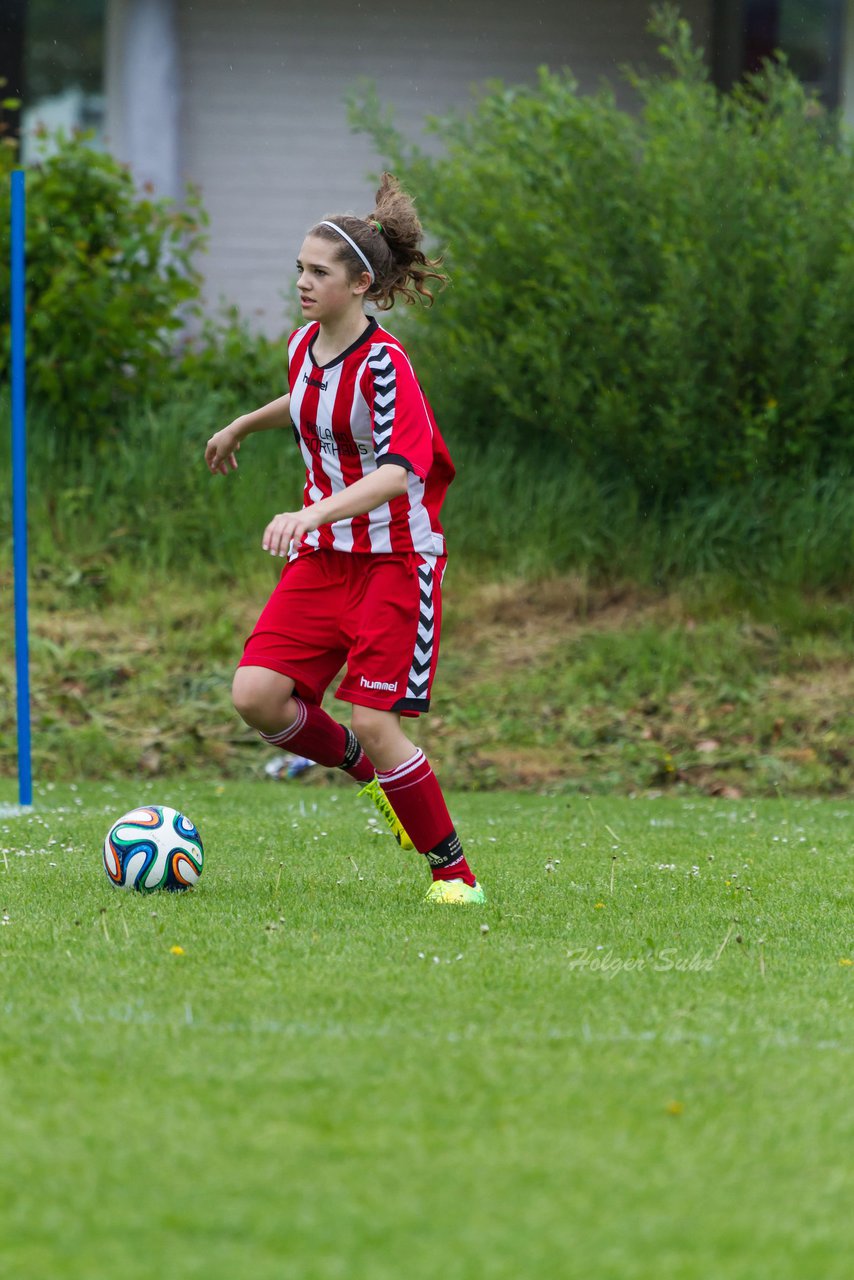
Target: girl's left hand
285, 528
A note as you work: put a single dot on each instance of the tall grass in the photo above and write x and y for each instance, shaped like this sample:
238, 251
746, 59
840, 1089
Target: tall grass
144, 494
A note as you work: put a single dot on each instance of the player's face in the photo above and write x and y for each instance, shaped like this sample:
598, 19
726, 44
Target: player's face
325, 288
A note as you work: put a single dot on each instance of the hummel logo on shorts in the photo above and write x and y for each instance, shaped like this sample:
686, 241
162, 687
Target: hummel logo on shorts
385, 685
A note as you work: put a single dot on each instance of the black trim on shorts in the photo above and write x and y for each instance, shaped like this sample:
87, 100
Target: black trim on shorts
412, 704
398, 460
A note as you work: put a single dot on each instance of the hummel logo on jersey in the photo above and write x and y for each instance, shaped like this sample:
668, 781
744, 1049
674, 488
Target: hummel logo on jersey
314, 382
378, 684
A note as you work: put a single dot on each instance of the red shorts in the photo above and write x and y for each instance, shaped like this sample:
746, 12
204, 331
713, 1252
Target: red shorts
379, 614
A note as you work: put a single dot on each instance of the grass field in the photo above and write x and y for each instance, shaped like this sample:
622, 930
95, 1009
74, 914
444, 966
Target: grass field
635, 1062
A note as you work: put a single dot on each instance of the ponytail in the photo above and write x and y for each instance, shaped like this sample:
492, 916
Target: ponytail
389, 238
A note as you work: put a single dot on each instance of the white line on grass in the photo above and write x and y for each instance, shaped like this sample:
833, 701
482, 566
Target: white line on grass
140, 1016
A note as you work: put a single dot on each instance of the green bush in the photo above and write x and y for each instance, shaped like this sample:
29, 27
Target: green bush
110, 281
665, 295
231, 366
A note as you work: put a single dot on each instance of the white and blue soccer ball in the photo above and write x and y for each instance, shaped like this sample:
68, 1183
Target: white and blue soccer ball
153, 847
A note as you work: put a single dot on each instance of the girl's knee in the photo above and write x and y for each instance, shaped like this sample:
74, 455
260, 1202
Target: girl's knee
260, 698
373, 727
245, 694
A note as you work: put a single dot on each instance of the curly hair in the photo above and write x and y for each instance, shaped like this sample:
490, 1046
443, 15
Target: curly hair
389, 237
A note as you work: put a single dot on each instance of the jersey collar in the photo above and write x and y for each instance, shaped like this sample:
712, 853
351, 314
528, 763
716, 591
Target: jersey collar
362, 338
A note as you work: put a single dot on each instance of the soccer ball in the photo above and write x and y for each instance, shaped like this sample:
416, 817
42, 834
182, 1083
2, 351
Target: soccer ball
153, 847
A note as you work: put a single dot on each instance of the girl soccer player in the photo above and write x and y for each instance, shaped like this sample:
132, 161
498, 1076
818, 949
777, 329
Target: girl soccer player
366, 554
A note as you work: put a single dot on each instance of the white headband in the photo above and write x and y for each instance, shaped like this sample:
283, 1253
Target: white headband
353, 246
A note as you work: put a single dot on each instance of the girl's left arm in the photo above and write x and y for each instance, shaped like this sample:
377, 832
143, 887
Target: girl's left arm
387, 482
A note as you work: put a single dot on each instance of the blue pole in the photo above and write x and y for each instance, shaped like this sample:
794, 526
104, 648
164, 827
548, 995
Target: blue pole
19, 488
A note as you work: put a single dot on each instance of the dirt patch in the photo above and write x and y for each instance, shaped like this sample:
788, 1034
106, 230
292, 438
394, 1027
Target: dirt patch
519, 623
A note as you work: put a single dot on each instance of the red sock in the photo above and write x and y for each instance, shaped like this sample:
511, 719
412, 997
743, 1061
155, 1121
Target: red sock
414, 793
318, 737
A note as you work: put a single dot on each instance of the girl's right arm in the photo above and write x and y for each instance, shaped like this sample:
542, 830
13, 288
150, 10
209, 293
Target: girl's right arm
221, 449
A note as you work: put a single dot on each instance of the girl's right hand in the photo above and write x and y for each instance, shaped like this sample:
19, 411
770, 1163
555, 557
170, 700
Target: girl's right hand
221, 450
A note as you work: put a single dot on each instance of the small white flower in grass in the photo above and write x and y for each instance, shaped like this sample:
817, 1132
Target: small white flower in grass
484, 928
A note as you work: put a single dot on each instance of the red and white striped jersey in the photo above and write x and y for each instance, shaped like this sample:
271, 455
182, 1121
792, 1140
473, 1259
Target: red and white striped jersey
361, 410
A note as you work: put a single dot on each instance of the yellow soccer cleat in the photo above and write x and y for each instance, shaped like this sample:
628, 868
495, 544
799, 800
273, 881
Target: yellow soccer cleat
380, 799
456, 891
